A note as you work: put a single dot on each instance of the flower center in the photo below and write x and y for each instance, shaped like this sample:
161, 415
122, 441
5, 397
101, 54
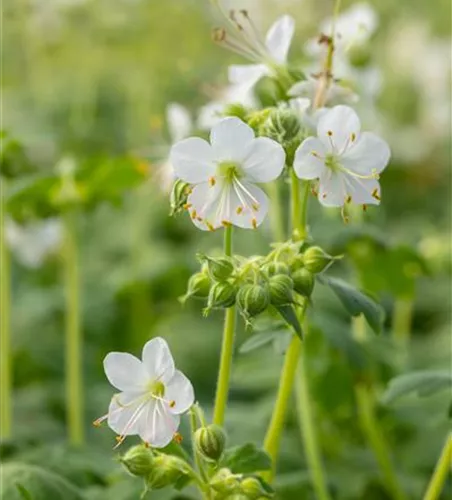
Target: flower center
332, 162
229, 171
156, 388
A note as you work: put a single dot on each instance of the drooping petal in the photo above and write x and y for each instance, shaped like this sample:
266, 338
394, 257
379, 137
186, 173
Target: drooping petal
126, 411
247, 74
158, 425
125, 372
369, 154
332, 189
180, 391
264, 161
309, 159
338, 128
192, 160
248, 205
363, 191
279, 37
230, 139
179, 121
204, 203
157, 360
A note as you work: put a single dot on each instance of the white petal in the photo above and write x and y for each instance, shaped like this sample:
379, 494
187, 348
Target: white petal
332, 189
245, 196
192, 160
125, 412
158, 425
337, 127
204, 204
264, 161
157, 360
180, 390
179, 121
308, 165
230, 139
125, 372
337, 94
369, 154
306, 88
210, 114
279, 37
247, 74
300, 105
363, 191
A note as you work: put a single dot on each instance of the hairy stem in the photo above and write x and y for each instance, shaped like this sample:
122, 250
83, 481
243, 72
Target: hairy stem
442, 470
5, 333
227, 348
74, 379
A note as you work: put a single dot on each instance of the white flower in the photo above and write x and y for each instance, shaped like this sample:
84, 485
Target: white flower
153, 394
345, 160
268, 55
224, 174
335, 93
33, 243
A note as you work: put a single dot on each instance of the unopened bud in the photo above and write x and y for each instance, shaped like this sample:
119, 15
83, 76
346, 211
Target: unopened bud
273, 268
210, 441
178, 197
252, 488
256, 119
138, 460
224, 482
303, 282
166, 470
220, 269
253, 299
316, 259
221, 296
198, 286
281, 290
283, 125
296, 263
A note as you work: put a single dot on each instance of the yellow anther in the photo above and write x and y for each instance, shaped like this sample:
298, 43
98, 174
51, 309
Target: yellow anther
348, 199
314, 192
364, 208
352, 136
172, 404
194, 214
97, 423
188, 190
226, 223
187, 205
324, 195
315, 154
177, 438
330, 133
209, 226
255, 207
254, 222
212, 181
239, 210
375, 194
199, 219
344, 215
146, 444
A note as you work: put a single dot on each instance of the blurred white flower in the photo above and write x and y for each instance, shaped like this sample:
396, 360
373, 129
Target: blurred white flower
224, 174
335, 93
267, 54
153, 394
34, 242
345, 160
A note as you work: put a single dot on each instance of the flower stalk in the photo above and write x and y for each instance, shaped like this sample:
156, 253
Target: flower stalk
74, 379
442, 469
227, 348
402, 318
5, 334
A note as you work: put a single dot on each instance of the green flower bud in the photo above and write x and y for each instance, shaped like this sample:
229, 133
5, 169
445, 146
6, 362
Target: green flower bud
316, 259
221, 296
198, 287
138, 460
220, 269
225, 482
210, 441
296, 263
253, 299
273, 268
178, 197
252, 488
256, 119
303, 282
283, 125
281, 290
166, 470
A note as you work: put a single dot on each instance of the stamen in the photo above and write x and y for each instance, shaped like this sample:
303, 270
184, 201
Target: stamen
364, 207
330, 133
314, 192
315, 154
348, 199
209, 226
255, 207
194, 214
178, 438
239, 210
187, 205
172, 404
226, 223
352, 136
254, 222
212, 181
344, 215
375, 194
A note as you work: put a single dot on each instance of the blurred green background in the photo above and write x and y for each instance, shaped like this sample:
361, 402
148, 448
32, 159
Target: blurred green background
91, 80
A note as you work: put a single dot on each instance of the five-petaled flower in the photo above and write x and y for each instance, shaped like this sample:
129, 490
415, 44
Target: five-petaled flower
153, 394
346, 161
269, 55
224, 174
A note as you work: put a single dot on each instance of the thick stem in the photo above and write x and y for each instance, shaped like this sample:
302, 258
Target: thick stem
442, 469
227, 348
5, 333
74, 382
308, 432
401, 319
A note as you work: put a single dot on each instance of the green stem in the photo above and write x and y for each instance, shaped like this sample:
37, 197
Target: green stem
401, 319
227, 348
74, 383
5, 333
299, 206
442, 469
276, 213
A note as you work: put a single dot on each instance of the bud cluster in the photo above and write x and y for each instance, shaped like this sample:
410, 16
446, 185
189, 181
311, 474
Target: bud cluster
258, 283
230, 486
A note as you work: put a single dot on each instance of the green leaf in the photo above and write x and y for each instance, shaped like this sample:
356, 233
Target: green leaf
423, 383
356, 302
290, 317
246, 458
260, 339
26, 495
